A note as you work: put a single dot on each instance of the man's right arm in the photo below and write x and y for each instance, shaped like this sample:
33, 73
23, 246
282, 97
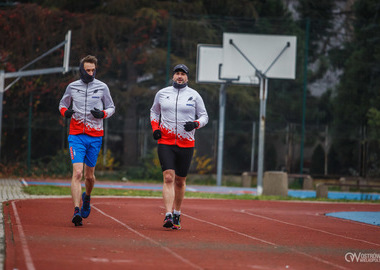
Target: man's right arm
155, 112
65, 102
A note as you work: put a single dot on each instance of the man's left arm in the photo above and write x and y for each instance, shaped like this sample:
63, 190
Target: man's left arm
109, 106
201, 113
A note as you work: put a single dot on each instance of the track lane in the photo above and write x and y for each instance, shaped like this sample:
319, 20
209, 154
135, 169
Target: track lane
124, 233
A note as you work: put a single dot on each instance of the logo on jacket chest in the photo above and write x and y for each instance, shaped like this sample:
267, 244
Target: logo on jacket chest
190, 102
95, 94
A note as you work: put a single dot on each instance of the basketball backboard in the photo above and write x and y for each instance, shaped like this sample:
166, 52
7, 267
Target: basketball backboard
273, 55
210, 62
66, 55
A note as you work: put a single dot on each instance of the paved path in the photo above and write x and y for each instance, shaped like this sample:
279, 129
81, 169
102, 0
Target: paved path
10, 189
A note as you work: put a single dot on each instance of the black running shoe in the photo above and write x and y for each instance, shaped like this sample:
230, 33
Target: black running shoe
176, 222
168, 221
77, 218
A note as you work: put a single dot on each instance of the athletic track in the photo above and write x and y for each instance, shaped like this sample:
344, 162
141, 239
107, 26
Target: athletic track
127, 233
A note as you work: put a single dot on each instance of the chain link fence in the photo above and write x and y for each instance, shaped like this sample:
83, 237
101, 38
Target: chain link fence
34, 134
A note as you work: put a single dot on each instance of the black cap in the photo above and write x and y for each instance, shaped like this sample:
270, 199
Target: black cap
181, 67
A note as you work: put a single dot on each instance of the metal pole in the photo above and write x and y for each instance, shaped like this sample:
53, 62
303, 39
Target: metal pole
29, 132
66, 56
260, 165
304, 93
33, 72
253, 147
168, 73
2, 79
222, 109
105, 144
278, 56
326, 148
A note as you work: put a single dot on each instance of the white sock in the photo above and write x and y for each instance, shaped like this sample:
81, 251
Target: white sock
175, 212
168, 213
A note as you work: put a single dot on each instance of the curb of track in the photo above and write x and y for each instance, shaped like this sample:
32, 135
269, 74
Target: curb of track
10, 189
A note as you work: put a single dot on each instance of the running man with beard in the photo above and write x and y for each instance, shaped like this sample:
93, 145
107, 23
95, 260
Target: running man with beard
177, 112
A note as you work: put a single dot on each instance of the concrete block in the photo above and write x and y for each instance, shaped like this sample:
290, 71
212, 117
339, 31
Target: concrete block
275, 184
342, 180
307, 183
322, 191
246, 179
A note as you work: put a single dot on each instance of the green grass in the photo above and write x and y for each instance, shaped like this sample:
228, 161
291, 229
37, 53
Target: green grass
61, 191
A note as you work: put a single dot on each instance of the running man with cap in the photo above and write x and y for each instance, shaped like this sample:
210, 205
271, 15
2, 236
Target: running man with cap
177, 112
87, 102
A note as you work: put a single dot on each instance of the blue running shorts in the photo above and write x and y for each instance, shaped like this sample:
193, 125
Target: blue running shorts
84, 149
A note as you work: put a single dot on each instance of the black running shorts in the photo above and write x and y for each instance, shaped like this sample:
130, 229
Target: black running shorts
175, 158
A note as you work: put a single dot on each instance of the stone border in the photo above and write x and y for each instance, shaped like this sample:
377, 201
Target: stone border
10, 189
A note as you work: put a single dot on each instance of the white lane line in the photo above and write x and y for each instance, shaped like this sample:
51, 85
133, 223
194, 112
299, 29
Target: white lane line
267, 242
231, 230
106, 260
24, 244
23, 182
150, 240
306, 227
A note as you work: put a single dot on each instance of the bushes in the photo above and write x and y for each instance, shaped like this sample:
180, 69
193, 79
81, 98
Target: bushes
150, 168
56, 166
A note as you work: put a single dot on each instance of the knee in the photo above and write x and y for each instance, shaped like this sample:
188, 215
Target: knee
77, 174
180, 182
90, 178
168, 178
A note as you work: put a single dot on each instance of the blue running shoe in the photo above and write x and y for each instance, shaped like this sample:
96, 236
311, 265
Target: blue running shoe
77, 218
86, 208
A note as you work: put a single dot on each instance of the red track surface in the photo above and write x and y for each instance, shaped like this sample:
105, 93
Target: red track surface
127, 233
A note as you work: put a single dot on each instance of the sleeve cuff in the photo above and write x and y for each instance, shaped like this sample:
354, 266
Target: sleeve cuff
63, 110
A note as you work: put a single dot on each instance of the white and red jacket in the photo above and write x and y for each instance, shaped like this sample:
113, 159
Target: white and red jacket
85, 97
171, 109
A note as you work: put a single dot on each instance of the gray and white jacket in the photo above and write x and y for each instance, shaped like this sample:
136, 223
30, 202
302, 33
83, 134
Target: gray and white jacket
84, 98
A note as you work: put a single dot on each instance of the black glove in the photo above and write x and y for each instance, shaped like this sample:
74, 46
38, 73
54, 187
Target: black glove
69, 113
189, 126
157, 134
97, 113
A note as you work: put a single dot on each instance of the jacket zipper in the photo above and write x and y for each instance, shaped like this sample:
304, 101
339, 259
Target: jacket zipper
176, 116
85, 111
